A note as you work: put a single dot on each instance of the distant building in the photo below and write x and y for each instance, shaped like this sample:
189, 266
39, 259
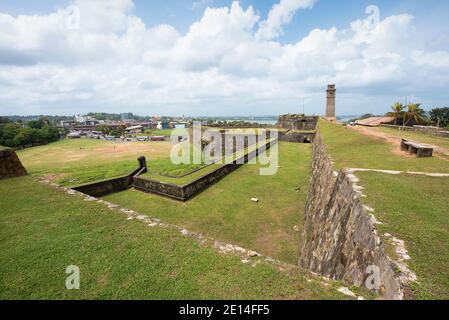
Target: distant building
86, 120
163, 125
134, 129
74, 135
67, 123
127, 116
179, 125
375, 121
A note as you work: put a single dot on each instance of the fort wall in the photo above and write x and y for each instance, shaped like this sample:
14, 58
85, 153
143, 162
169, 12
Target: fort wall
339, 239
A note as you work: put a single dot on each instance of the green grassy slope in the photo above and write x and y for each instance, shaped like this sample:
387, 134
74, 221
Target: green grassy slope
43, 230
226, 212
80, 161
412, 208
417, 136
416, 210
351, 149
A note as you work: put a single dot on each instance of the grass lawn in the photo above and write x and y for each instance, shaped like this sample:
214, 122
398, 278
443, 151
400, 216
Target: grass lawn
225, 211
412, 208
350, 149
158, 132
416, 210
203, 170
417, 136
75, 162
43, 230
195, 171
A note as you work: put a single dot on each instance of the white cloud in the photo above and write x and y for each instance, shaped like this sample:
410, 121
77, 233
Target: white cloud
222, 65
281, 14
437, 59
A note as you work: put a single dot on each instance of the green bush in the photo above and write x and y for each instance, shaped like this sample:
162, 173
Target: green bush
36, 132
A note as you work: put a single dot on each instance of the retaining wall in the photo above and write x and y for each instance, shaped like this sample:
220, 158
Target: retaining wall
339, 240
105, 187
10, 165
300, 137
185, 192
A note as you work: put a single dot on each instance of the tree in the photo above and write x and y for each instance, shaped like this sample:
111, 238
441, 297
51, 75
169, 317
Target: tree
397, 112
4, 120
39, 124
440, 116
414, 113
38, 132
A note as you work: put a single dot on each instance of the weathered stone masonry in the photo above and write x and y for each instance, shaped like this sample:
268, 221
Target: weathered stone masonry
186, 192
339, 240
10, 165
106, 187
178, 192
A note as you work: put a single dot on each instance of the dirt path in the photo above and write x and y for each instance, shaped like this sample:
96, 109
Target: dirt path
439, 152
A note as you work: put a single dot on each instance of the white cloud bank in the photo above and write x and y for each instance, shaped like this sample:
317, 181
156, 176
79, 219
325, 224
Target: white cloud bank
229, 62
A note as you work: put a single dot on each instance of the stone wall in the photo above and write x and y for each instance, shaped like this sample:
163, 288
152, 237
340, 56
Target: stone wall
10, 165
339, 240
300, 137
165, 189
105, 187
186, 192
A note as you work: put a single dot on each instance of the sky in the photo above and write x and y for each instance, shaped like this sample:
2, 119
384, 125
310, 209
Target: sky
221, 58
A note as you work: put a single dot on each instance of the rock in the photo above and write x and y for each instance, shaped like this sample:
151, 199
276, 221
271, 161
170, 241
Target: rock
347, 292
239, 249
252, 253
296, 228
10, 165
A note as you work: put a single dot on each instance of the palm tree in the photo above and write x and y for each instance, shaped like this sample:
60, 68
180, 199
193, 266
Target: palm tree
414, 112
397, 111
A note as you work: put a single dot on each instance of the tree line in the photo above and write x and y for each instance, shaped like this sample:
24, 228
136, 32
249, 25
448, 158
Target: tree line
412, 114
31, 133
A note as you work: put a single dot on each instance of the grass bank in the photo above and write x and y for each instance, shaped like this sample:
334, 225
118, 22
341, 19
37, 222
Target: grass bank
417, 136
44, 230
226, 212
413, 208
80, 161
350, 149
416, 210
